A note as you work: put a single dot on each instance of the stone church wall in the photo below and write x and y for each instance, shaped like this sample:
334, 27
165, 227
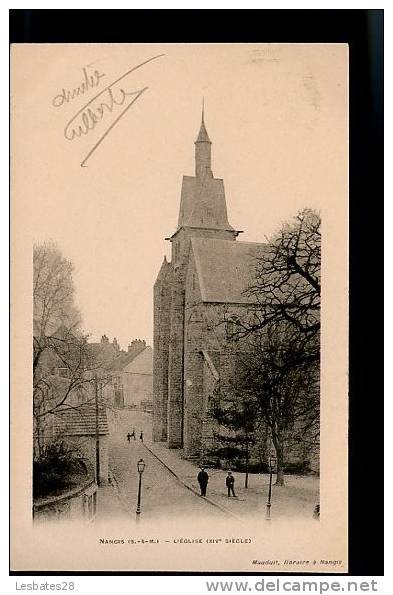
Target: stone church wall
162, 308
175, 369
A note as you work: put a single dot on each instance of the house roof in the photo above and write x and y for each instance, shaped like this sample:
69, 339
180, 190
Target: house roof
104, 353
225, 268
81, 421
122, 362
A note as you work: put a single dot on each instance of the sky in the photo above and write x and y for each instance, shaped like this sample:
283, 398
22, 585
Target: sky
277, 118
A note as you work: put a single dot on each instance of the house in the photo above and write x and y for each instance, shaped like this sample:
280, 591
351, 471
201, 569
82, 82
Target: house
85, 430
132, 377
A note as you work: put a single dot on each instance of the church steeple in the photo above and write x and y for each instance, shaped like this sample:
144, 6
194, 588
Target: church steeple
203, 150
202, 205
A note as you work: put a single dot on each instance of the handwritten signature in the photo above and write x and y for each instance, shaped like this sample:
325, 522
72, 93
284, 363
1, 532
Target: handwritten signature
90, 81
106, 101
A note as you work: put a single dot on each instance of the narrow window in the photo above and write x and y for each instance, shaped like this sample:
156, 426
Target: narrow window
232, 327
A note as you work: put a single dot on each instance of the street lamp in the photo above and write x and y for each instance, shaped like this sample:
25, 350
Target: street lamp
272, 464
141, 467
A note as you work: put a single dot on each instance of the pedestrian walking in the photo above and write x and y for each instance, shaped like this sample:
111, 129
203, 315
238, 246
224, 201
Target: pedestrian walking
133, 434
141, 437
230, 483
203, 479
128, 436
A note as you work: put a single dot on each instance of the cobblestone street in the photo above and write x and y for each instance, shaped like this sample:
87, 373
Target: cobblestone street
170, 488
162, 494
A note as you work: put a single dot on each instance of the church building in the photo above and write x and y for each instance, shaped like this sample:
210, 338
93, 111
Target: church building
194, 294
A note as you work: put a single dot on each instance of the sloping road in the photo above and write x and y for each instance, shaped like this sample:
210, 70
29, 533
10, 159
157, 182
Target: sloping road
162, 494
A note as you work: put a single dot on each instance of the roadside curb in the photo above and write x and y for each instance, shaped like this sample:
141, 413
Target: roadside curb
118, 493
190, 487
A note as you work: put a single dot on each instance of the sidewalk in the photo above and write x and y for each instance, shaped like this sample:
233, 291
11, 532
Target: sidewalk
296, 499
109, 506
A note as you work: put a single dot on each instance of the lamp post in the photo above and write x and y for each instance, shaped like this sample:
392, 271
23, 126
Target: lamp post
141, 467
272, 463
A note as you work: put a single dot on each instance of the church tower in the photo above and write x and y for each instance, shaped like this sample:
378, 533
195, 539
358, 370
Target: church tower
203, 210
203, 213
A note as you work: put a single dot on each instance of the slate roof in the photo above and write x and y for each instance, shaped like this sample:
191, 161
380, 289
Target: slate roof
225, 268
203, 136
121, 362
202, 203
104, 353
81, 421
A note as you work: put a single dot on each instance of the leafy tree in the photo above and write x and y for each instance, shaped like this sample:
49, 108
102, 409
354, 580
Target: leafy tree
234, 410
57, 469
274, 372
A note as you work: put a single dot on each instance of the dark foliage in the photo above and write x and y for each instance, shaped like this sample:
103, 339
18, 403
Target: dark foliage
300, 468
56, 470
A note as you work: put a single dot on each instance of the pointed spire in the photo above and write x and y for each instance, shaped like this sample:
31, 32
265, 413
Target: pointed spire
203, 136
163, 271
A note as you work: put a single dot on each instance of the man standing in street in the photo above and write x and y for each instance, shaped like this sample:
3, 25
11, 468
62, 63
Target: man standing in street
230, 483
203, 479
128, 436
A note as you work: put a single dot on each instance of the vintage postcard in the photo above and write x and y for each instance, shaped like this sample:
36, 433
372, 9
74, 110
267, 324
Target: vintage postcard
179, 307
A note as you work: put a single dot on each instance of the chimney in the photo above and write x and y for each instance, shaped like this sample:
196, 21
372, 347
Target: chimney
136, 346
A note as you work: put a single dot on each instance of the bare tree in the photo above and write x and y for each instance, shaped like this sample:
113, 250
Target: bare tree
287, 281
53, 291
279, 334
65, 367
